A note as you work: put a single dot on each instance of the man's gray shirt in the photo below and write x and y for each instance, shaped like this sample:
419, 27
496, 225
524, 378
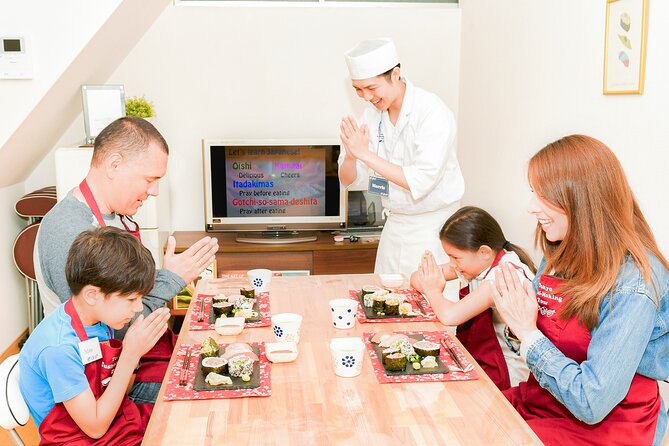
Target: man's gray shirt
58, 229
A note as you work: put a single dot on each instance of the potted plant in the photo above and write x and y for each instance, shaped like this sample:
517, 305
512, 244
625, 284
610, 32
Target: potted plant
139, 107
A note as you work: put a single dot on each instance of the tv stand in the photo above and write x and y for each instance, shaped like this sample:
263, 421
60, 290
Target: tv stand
276, 237
324, 256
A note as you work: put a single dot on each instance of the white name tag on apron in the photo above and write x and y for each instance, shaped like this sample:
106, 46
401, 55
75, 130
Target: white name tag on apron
378, 186
89, 350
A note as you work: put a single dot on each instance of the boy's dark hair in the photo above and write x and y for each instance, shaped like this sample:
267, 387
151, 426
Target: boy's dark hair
470, 227
128, 136
111, 259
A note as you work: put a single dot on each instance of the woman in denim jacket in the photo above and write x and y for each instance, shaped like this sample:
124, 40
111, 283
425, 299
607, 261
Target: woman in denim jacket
593, 328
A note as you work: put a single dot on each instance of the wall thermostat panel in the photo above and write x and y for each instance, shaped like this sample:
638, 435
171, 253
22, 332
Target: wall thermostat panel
15, 61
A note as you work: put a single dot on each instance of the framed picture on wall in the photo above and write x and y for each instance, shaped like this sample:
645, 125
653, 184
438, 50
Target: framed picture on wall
625, 46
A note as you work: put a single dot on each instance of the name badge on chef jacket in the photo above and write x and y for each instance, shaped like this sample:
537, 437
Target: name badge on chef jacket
378, 186
89, 350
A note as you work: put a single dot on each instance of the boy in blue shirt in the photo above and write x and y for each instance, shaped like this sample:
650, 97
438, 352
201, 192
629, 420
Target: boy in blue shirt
73, 375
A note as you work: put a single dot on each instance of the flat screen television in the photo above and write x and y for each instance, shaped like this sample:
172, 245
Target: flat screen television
271, 191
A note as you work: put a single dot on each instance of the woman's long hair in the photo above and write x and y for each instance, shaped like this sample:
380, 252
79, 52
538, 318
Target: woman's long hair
582, 177
470, 227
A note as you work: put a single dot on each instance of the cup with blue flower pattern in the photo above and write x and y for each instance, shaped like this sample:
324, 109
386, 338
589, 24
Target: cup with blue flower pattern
347, 356
286, 327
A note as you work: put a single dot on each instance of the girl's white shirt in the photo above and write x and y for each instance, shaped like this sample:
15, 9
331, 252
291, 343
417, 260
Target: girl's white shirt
518, 371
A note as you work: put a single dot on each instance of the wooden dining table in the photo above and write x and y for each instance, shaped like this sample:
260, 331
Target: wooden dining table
310, 405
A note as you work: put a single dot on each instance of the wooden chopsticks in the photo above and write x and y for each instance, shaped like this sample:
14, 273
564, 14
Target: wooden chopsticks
183, 378
200, 318
452, 354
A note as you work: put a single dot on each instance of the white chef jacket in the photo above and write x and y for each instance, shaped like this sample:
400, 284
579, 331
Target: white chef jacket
422, 142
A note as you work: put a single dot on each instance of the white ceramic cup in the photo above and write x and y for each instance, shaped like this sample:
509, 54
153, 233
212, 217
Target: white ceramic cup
259, 279
286, 327
343, 312
347, 356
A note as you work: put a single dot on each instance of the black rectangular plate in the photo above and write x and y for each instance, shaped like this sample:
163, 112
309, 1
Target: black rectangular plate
212, 315
441, 367
237, 383
370, 314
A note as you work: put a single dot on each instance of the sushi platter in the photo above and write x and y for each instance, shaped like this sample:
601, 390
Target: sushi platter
244, 302
240, 305
212, 371
239, 362
393, 356
409, 355
382, 305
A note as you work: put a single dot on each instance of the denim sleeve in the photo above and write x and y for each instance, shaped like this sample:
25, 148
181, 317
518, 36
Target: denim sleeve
592, 389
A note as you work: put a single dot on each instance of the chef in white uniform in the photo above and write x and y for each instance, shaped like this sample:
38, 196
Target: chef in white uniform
402, 149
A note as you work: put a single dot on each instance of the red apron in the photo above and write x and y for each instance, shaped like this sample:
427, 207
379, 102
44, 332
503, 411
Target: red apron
154, 363
130, 422
479, 338
632, 421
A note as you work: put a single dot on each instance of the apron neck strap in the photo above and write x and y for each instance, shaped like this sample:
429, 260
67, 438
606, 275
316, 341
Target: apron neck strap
135, 230
76, 321
90, 201
495, 262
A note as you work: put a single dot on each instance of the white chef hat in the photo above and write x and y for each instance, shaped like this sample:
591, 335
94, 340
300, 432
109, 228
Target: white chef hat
370, 58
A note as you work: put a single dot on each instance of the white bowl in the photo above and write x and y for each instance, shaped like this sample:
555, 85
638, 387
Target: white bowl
281, 351
391, 280
229, 326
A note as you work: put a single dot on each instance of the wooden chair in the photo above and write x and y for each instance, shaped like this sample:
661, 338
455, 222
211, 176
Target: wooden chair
32, 206
13, 409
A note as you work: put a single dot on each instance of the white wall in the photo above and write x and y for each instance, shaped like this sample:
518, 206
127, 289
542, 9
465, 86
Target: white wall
531, 72
14, 302
55, 32
217, 72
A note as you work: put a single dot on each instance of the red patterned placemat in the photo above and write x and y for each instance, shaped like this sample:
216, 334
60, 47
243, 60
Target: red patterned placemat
263, 307
174, 391
411, 296
454, 374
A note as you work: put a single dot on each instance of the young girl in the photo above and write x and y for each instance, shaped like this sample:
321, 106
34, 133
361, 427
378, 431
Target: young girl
599, 340
476, 245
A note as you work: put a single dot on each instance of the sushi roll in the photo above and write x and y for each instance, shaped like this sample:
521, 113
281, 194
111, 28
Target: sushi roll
220, 298
392, 306
405, 347
388, 351
368, 299
214, 364
240, 365
369, 289
248, 292
214, 379
245, 302
379, 303
426, 348
246, 313
406, 309
209, 348
400, 297
395, 362
222, 308
389, 340
429, 362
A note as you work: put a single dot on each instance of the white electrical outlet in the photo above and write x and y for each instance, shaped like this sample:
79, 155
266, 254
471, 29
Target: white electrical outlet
15, 61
